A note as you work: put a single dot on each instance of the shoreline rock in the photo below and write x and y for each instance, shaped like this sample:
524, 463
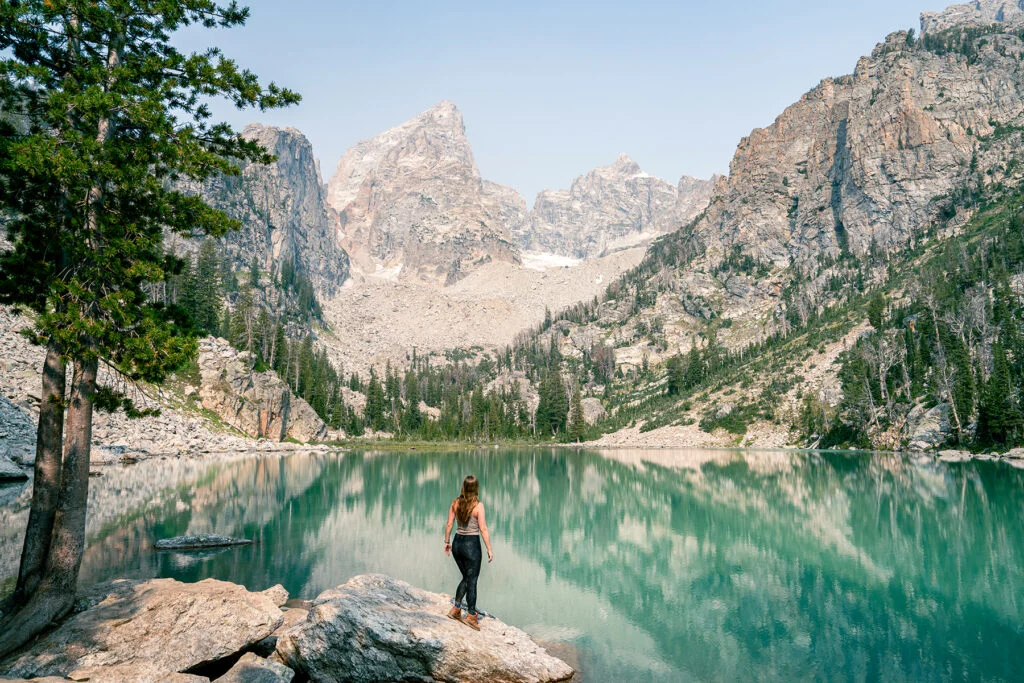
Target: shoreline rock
376, 628
162, 624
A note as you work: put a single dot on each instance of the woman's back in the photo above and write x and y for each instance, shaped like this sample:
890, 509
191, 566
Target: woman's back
472, 525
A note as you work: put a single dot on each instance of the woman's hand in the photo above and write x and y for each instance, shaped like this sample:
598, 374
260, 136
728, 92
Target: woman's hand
447, 547
490, 556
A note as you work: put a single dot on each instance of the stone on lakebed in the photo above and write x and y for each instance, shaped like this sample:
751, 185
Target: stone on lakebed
161, 625
377, 628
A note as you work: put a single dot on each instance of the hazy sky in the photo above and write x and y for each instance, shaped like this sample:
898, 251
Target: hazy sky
552, 89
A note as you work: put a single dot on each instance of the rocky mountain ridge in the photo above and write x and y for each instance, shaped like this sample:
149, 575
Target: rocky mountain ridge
413, 199
611, 207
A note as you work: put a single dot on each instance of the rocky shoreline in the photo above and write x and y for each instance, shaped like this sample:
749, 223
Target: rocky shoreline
372, 628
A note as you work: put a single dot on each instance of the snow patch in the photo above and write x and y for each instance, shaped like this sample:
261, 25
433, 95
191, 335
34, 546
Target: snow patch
543, 261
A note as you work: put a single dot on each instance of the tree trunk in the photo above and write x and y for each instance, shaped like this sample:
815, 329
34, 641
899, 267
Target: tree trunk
46, 481
55, 595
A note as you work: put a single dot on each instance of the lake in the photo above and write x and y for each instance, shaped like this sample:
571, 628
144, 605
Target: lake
653, 565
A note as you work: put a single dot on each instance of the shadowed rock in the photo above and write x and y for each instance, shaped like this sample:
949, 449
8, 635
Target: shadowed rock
161, 625
254, 669
9, 471
376, 628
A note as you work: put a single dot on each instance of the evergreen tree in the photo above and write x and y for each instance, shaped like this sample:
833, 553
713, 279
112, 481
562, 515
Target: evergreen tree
999, 419
412, 417
130, 112
375, 404
577, 423
676, 375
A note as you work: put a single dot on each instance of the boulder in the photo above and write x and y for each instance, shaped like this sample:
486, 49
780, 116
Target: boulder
928, 429
377, 628
198, 542
254, 669
955, 456
9, 471
162, 624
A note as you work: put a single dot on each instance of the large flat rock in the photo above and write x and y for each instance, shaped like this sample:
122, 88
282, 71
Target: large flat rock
162, 625
376, 628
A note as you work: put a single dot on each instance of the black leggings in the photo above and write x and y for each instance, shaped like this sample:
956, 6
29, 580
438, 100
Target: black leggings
466, 550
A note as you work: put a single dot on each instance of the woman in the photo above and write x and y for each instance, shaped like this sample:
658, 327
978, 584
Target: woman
469, 512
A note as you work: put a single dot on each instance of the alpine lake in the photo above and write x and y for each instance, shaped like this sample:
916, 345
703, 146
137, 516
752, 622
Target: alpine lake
644, 565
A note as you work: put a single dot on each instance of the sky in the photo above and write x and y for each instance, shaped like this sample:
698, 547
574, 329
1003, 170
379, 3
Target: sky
551, 89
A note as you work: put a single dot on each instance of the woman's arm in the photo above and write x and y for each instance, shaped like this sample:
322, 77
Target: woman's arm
448, 529
483, 531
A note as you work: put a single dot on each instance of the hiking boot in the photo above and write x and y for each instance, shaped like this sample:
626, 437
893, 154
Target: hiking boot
471, 621
456, 613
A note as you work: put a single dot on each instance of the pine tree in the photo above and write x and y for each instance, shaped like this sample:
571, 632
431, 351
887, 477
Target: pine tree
375, 402
999, 419
577, 422
131, 115
412, 418
676, 375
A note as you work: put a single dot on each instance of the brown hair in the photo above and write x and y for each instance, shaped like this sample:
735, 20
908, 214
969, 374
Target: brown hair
467, 500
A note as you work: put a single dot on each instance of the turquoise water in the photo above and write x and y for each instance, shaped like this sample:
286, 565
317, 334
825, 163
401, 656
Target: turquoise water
651, 565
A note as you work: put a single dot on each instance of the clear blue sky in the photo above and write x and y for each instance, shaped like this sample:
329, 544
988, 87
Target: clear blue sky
552, 89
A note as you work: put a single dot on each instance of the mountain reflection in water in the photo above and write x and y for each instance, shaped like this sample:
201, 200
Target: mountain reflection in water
656, 565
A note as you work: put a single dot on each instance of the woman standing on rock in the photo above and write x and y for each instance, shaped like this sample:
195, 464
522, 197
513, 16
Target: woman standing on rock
469, 512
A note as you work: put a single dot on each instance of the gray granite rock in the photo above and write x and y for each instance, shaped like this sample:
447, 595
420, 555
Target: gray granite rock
162, 625
375, 628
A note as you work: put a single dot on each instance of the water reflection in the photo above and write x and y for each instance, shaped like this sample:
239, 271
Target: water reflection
657, 565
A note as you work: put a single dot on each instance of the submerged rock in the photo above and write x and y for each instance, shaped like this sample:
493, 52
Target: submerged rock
199, 542
161, 625
376, 628
254, 669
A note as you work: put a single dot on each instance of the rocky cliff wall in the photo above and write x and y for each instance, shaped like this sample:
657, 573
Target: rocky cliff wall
283, 209
258, 404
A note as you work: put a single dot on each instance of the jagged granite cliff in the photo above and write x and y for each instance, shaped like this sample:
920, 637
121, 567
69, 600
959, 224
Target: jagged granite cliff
862, 162
412, 198
611, 207
283, 209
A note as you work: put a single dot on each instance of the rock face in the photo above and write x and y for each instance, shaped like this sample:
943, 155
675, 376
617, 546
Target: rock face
258, 404
977, 13
928, 429
161, 625
593, 410
283, 209
611, 207
376, 628
869, 159
412, 198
